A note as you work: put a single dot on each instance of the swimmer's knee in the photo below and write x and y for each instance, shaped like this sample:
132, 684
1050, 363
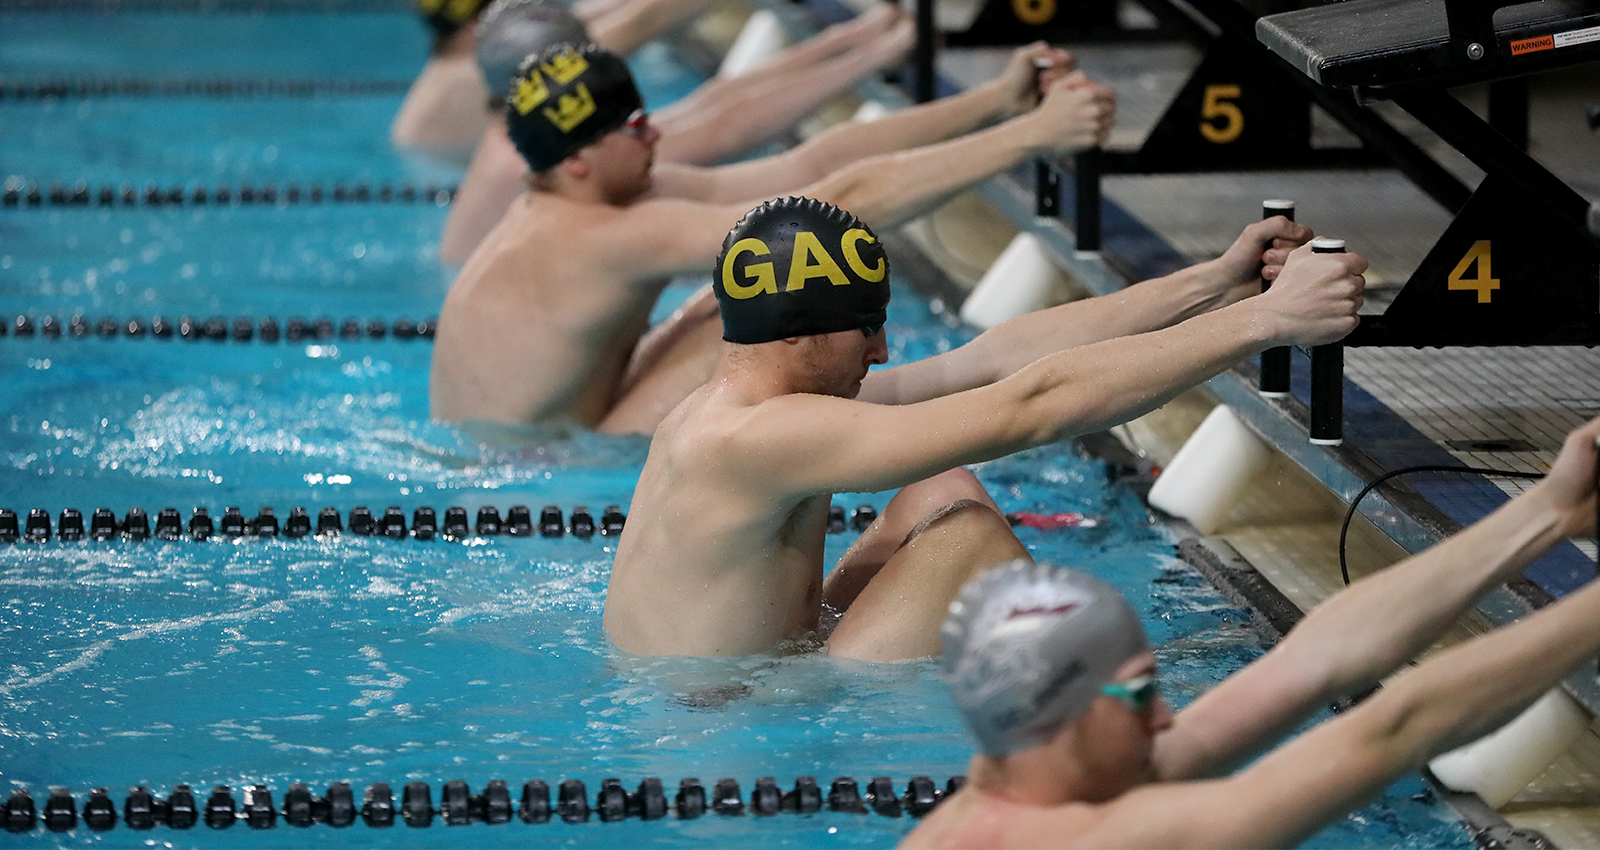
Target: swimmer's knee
983, 511
947, 488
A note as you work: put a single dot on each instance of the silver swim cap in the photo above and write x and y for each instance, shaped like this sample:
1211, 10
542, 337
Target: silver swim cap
511, 29
1027, 648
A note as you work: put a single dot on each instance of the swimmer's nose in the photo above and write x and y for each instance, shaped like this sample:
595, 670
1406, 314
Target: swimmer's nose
878, 351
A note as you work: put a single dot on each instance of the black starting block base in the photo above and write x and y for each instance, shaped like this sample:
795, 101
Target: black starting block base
1508, 271
1008, 22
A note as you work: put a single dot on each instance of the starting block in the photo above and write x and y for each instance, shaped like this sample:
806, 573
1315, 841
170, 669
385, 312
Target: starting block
1520, 263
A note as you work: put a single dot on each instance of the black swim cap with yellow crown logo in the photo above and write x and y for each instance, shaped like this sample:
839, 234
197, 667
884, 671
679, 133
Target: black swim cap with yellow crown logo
799, 267
566, 97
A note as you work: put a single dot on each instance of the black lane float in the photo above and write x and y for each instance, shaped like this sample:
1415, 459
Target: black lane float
219, 329
458, 806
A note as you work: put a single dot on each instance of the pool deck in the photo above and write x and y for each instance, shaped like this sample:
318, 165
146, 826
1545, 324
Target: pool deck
1504, 408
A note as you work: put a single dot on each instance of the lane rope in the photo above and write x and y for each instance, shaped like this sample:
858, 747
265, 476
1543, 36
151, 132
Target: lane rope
86, 87
458, 806
21, 193
219, 329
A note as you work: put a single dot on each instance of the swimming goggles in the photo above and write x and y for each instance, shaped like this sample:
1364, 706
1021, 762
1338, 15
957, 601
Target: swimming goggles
636, 124
1136, 693
870, 331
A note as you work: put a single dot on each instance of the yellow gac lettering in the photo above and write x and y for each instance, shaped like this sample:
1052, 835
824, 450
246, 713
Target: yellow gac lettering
1483, 284
801, 269
852, 255
765, 280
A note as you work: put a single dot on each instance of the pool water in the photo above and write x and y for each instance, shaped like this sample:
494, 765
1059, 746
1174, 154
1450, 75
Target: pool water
245, 661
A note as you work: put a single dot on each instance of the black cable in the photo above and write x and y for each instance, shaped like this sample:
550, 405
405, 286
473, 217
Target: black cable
1344, 568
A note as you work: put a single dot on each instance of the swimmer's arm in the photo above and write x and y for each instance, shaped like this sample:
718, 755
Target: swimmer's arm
731, 116
589, 10
1140, 308
808, 168
622, 28
497, 176
836, 445
888, 190
443, 112
1363, 634
1451, 699
661, 237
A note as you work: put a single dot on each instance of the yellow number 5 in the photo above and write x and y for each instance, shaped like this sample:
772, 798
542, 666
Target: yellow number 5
1483, 284
1217, 105
1034, 11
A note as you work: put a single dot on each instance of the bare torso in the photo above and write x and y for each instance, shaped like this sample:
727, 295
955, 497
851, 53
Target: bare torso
713, 566
538, 326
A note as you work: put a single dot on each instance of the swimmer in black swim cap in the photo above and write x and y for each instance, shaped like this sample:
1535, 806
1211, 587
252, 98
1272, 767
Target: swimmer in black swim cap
800, 267
447, 17
442, 114
721, 119
565, 98
550, 319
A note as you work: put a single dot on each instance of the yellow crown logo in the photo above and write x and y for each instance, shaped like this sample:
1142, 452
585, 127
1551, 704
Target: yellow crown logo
462, 10
530, 92
566, 66
571, 109
429, 7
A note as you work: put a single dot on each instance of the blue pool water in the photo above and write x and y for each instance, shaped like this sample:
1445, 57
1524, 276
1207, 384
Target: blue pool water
368, 660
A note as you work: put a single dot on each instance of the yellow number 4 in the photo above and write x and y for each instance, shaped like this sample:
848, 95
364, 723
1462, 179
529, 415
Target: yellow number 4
1217, 105
1483, 284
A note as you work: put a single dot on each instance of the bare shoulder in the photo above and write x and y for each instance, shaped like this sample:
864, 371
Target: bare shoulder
541, 232
976, 819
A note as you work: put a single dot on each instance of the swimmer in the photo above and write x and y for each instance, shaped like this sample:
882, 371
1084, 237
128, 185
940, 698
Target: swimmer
1076, 747
724, 550
720, 119
442, 114
547, 319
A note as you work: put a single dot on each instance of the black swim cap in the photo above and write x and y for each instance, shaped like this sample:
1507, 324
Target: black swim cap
447, 16
799, 267
565, 98
510, 30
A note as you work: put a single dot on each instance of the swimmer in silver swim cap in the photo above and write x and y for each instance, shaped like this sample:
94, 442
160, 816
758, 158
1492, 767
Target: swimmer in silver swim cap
510, 30
1027, 648
1228, 770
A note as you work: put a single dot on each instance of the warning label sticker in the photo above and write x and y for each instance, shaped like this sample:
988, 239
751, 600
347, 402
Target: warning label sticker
1583, 36
1531, 45
1550, 42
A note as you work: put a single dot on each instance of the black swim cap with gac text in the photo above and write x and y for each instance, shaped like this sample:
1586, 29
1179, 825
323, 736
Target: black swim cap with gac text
566, 97
799, 267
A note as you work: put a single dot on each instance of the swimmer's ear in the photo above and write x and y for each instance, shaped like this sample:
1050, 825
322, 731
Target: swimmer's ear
577, 164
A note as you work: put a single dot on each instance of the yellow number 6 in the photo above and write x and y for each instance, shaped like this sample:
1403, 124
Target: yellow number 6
1217, 105
1034, 11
